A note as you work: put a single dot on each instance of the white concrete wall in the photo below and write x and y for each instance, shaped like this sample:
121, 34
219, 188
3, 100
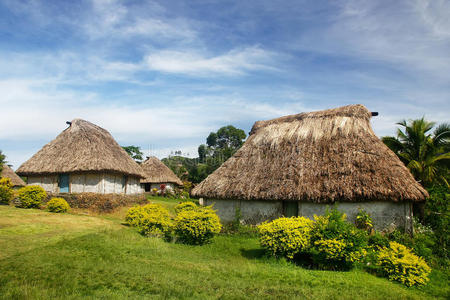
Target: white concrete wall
253, 212
102, 183
385, 215
134, 186
49, 183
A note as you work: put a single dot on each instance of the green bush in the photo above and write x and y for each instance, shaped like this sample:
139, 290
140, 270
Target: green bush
58, 205
364, 221
336, 243
398, 263
197, 226
154, 220
286, 237
437, 216
422, 243
188, 205
30, 196
6, 191
378, 241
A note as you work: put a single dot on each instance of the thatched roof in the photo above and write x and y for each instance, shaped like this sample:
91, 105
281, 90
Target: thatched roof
83, 147
9, 173
157, 172
324, 156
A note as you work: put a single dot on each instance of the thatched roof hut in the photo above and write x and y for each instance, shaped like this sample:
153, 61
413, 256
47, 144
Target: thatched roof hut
82, 147
320, 157
9, 173
83, 158
156, 172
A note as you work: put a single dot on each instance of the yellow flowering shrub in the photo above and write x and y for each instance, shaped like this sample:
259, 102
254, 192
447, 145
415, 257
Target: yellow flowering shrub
197, 226
30, 196
286, 236
150, 219
188, 205
6, 192
336, 243
134, 215
58, 205
398, 263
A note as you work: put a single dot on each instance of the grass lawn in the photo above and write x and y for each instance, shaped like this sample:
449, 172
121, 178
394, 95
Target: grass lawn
51, 256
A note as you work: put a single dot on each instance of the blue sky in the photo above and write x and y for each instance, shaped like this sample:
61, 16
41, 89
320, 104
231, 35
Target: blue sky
163, 74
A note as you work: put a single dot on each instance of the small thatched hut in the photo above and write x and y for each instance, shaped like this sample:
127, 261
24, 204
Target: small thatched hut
300, 164
157, 173
15, 179
83, 158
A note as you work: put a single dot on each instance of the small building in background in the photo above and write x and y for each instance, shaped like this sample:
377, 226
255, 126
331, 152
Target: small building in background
157, 173
298, 165
84, 158
7, 172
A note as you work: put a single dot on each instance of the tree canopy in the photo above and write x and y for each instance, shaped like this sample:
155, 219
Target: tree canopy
219, 146
134, 152
423, 151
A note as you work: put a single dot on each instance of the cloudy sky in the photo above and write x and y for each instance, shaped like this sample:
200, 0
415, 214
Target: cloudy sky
163, 74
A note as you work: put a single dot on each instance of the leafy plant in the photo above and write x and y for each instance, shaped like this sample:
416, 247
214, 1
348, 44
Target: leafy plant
398, 263
58, 205
187, 205
286, 237
30, 196
6, 191
197, 226
364, 221
336, 243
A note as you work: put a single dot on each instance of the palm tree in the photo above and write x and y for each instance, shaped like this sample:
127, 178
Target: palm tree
426, 154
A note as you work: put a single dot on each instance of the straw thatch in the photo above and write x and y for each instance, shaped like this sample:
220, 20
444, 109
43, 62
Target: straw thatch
83, 147
157, 172
322, 157
9, 173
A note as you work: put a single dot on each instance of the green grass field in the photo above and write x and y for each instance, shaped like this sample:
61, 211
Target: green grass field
67, 256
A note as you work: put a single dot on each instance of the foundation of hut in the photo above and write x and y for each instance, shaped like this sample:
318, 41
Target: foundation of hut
386, 216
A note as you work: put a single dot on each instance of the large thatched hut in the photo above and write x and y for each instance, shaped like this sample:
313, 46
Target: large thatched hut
7, 172
83, 158
157, 173
300, 164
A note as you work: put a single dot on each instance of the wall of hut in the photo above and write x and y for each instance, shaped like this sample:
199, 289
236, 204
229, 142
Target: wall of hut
101, 183
385, 215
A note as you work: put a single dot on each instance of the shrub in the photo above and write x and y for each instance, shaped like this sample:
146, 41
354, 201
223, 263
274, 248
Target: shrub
378, 241
134, 216
188, 205
150, 219
6, 192
363, 221
286, 237
197, 227
102, 202
437, 216
422, 243
335, 243
184, 195
398, 263
58, 205
30, 196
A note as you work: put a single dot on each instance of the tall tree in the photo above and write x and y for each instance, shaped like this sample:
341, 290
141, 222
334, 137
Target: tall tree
134, 152
425, 153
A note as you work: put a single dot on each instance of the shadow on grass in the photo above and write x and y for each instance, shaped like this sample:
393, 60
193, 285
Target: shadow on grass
253, 253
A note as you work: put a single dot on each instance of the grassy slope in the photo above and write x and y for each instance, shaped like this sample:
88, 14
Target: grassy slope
72, 256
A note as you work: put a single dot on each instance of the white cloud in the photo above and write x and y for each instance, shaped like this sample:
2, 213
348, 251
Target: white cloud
234, 62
